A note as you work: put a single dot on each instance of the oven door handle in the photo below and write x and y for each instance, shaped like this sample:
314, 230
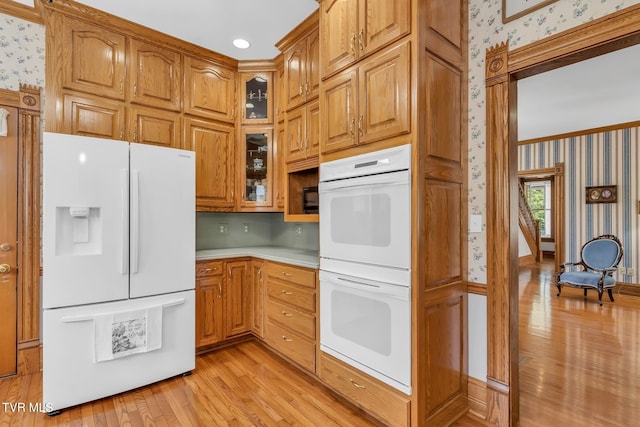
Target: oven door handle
392, 178
399, 292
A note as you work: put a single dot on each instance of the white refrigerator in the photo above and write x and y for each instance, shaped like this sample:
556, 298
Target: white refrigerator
118, 285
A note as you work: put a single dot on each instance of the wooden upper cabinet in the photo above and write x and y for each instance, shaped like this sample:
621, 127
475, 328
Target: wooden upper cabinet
301, 71
156, 75
368, 102
214, 145
93, 59
303, 132
154, 126
352, 29
256, 100
93, 116
280, 86
255, 177
209, 90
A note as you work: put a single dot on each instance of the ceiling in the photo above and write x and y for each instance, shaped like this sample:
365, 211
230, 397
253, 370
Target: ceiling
214, 24
597, 92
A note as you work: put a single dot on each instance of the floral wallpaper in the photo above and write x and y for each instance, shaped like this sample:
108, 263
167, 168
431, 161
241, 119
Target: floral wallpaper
485, 31
22, 53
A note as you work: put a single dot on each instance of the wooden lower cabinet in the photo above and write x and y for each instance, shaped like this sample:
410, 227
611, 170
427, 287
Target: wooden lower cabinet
376, 398
291, 312
209, 306
223, 301
257, 296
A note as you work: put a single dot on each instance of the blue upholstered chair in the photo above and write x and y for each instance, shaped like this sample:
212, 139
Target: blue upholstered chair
600, 258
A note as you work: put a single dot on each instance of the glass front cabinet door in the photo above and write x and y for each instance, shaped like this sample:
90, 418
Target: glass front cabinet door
257, 165
257, 88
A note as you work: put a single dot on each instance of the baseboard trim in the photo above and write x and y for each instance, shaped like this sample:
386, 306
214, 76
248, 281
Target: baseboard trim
29, 357
527, 259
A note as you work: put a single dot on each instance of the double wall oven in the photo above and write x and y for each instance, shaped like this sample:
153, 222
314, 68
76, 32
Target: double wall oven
365, 263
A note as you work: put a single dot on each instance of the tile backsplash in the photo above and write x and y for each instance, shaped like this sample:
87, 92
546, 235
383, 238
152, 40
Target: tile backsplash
232, 230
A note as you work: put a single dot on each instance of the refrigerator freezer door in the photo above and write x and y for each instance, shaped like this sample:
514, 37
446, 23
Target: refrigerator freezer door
71, 373
162, 220
85, 211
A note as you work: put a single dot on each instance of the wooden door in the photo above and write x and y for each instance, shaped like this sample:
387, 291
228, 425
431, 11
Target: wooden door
156, 74
338, 102
312, 129
339, 21
237, 299
155, 127
93, 116
93, 59
384, 95
215, 156
8, 243
209, 90
257, 296
381, 22
295, 74
294, 134
209, 310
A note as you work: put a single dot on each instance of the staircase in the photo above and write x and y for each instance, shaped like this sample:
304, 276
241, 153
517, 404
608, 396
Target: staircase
530, 227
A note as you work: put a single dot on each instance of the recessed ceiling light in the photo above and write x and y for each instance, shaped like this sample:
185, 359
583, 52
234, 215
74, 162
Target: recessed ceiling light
241, 43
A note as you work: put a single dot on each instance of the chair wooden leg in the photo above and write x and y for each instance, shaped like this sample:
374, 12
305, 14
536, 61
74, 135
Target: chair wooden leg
585, 292
600, 292
610, 292
559, 286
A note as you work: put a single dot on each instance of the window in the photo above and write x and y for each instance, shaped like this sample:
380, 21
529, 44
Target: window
538, 195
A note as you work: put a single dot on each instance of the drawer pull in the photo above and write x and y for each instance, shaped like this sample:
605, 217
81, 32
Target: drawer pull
208, 270
286, 292
287, 274
285, 314
287, 339
356, 385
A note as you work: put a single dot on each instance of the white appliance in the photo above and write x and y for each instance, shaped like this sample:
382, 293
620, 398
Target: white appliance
365, 263
118, 262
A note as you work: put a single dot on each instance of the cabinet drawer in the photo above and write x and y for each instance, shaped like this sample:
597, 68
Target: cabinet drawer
294, 295
293, 319
291, 345
297, 275
208, 268
375, 397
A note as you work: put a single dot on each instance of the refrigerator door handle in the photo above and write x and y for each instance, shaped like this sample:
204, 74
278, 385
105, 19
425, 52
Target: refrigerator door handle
135, 221
124, 258
86, 318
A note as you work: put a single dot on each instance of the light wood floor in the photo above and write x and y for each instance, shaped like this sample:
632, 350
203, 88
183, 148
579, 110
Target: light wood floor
579, 366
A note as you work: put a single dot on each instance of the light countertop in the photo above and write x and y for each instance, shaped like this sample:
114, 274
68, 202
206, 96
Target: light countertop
299, 257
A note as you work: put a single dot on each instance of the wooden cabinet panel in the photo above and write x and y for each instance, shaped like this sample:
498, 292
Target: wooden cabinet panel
237, 299
156, 75
302, 323
209, 268
303, 132
256, 98
350, 101
384, 106
339, 24
353, 29
214, 146
383, 21
209, 310
300, 350
209, 90
93, 59
93, 116
370, 394
297, 275
293, 295
281, 89
155, 127
338, 103
257, 296
302, 76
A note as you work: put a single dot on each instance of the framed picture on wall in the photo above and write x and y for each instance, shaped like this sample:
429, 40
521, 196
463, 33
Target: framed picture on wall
602, 194
513, 9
